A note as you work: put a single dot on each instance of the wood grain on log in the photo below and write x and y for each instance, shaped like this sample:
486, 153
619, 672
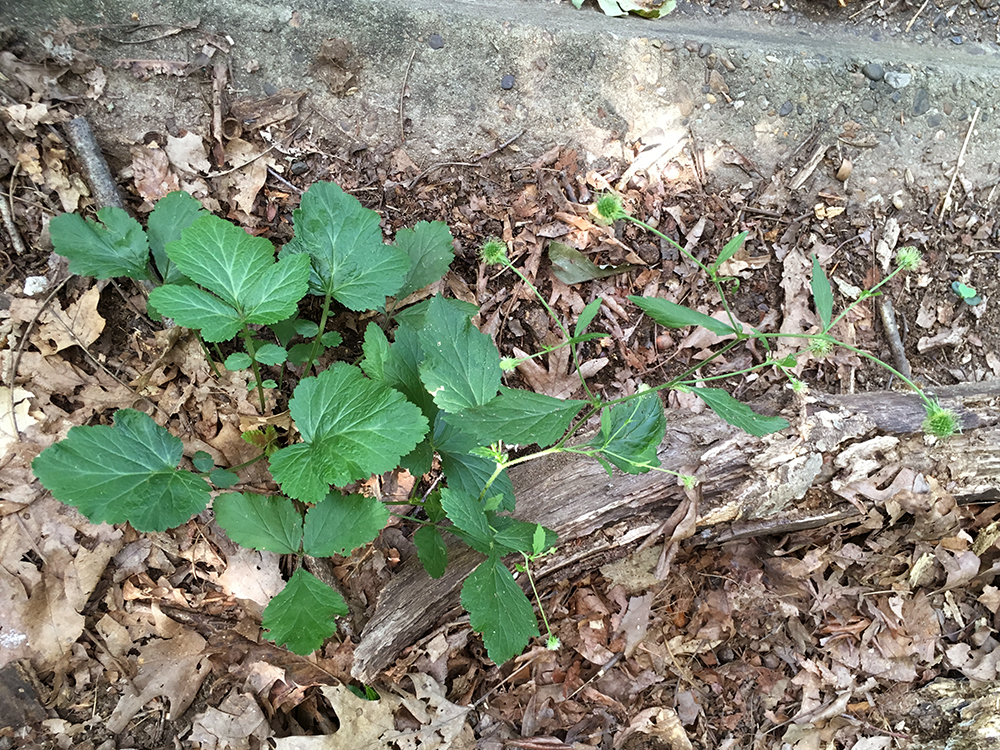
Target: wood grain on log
841, 455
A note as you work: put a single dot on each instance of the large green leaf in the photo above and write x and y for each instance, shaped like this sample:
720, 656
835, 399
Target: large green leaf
116, 246
302, 615
127, 472
672, 315
351, 428
512, 535
429, 247
499, 610
240, 272
173, 214
822, 293
737, 413
342, 523
519, 417
468, 472
260, 521
461, 366
431, 550
343, 241
631, 433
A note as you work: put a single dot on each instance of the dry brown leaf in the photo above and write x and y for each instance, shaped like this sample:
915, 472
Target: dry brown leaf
78, 325
187, 154
242, 185
151, 172
24, 120
173, 669
559, 379
232, 725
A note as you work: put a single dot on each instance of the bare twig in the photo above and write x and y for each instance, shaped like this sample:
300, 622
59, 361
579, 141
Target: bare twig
95, 168
915, 15
888, 315
402, 96
7, 211
271, 171
958, 166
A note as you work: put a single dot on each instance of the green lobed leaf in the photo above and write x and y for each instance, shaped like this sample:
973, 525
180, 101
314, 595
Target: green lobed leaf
672, 315
351, 428
343, 241
461, 366
247, 286
302, 616
173, 213
331, 338
431, 550
587, 316
116, 246
429, 248
260, 521
730, 249
512, 535
270, 354
402, 370
737, 413
519, 417
124, 473
822, 294
499, 610
342, 523
299, 354
203, 461
465, 471
223, 478
237, 361
466, 512
631, 433
376, 352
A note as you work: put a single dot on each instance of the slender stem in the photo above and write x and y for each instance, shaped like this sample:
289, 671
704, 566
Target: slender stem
246, 463
208, 358
317, 343
252, 351
541, 609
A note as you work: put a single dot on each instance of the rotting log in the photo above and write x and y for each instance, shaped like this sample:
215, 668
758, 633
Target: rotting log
841, 455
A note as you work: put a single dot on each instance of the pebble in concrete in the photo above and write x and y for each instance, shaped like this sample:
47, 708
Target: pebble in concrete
898, 80
786, 108
436, 41
507, 82
873, 71
921, 102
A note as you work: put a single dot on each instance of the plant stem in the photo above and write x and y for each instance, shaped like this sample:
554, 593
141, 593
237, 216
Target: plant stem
534, 590
252, 351
208, 357
317, 343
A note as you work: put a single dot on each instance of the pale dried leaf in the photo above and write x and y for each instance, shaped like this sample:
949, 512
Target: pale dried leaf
232, 725
78, 325
151, 172
187, 154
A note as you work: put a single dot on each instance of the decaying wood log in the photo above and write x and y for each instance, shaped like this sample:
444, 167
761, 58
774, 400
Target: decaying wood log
841, 455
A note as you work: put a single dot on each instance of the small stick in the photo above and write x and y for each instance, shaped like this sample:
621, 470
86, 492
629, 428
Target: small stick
219, 75
914, 19
402, 95
7, 211
95, 168
282, 180
958, 165
888, 316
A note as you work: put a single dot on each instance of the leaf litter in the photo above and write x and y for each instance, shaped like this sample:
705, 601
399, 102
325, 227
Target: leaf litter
801, 641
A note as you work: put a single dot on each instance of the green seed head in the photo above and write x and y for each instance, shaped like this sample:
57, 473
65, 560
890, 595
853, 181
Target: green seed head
940, 422
820, 347
908, 258
493, 252
609, 208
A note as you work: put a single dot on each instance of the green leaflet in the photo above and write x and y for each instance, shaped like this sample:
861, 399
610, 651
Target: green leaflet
737, 413
343, 241
302, 616
519, 417
499, 610
822, 294
244, 285
631, 433
351, 427
672, 315
429, 248
125, 473
116, 246
342, 523
431, 550
173, 214
731, 248
260, 521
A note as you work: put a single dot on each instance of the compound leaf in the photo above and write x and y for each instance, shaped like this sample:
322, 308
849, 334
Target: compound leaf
116, 246
342, 523
239, 270
519, 417
429, 247
499, 610
631, 433
822, 293
302, 616
125, 473
174, 213
343, 241
351, 428
431, 550
461, 366
672, 315
737, 413
260, 521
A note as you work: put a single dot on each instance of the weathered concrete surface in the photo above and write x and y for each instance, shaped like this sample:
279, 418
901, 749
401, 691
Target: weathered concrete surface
731, 85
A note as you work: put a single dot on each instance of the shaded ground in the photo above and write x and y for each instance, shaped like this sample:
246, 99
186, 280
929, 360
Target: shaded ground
815, 638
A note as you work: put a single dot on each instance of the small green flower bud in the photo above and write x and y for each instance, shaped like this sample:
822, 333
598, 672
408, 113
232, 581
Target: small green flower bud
820, 347
940, 422
509, 363
553, 644
609, 208
908, 258
493, 252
